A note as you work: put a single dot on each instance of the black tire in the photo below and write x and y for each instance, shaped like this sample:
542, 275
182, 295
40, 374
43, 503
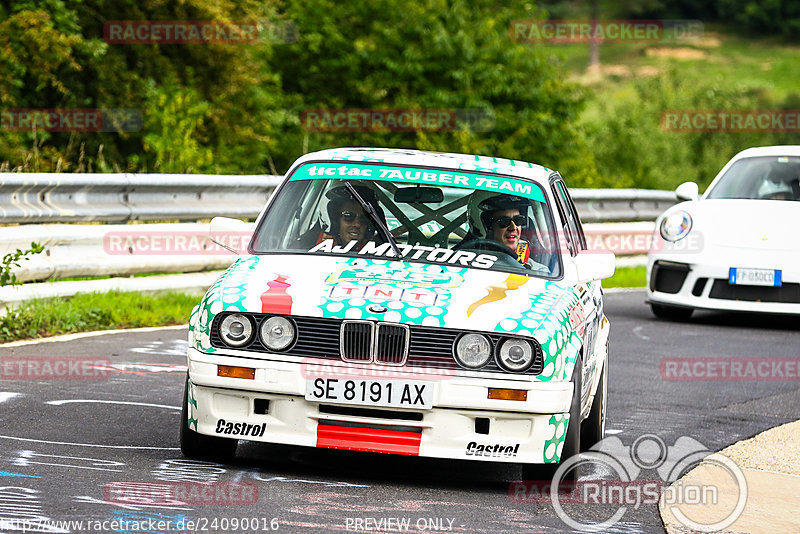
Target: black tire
593, 429
572, 441
200, 446
673, 313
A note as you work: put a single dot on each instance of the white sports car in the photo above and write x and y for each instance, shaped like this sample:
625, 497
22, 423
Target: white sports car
410, 303
736, 248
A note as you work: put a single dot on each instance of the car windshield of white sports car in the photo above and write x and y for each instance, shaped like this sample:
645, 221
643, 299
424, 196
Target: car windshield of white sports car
448, 217
761, 178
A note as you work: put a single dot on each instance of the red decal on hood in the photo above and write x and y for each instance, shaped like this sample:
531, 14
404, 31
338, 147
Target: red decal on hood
276, 299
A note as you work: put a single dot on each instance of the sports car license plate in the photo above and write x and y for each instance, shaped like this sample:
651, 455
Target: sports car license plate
388, 393
754, 277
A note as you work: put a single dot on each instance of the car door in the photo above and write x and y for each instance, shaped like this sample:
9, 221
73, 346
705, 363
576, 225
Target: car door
587, 313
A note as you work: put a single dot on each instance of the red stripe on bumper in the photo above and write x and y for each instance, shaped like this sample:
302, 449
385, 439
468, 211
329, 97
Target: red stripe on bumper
368, 439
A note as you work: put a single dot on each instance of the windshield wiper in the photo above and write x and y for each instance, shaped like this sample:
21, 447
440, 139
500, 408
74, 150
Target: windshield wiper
369, 210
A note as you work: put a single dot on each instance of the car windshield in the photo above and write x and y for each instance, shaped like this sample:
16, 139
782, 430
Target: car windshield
761, 178
448, 217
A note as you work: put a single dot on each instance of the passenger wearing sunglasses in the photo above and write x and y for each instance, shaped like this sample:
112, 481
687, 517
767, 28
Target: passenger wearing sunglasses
354, 225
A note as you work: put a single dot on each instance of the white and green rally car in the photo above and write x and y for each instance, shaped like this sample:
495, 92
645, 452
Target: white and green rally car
406, 302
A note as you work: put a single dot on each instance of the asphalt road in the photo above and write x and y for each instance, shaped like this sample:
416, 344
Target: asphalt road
76, 449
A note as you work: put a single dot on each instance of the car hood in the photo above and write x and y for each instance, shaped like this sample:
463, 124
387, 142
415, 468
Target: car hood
402, 292
746, 224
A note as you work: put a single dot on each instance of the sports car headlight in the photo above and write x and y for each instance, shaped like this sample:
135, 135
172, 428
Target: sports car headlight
277, 333
236, 330
473, 350
676, 226
515, 355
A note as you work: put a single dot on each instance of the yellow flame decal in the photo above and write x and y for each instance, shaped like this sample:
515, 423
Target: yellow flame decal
514, 281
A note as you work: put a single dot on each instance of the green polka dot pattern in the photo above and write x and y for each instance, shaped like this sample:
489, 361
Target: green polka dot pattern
547, 320
191, 408
557, 430
227, 293
366, 272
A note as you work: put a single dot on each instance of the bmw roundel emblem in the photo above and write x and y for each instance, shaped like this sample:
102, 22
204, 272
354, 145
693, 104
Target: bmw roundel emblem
376, 308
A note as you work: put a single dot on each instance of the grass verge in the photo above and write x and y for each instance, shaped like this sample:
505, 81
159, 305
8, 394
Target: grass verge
627, 277
94, 311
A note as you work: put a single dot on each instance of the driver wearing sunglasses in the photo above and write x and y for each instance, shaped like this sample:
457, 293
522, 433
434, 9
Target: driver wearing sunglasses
507, 226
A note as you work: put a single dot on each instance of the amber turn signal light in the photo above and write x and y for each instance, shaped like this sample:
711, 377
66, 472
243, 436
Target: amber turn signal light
508, 394
230, 371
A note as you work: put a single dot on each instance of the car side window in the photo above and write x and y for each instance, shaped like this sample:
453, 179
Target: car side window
572, 214
570, 232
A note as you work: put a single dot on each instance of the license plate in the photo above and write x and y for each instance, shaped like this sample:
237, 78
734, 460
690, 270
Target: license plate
387, 393
754, 277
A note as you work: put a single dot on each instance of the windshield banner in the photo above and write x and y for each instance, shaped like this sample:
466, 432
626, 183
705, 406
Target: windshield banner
451, 178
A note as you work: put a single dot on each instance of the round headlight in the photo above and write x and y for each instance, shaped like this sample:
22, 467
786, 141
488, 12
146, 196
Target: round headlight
236, 330
277, 333
676, 226
515, 355
473, 350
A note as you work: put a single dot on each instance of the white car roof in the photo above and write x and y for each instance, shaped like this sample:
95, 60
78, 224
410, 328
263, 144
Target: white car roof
446, 160
778, 150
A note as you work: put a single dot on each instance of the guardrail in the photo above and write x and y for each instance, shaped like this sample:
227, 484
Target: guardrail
46, 197
50, 198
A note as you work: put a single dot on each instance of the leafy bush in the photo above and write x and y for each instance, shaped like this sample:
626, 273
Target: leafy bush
11, 260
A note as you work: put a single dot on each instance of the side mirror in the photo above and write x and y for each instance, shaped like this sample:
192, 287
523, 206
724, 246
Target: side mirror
594, 265
688, 191
231, 234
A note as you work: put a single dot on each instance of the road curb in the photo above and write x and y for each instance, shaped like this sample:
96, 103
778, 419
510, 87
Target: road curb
770, 463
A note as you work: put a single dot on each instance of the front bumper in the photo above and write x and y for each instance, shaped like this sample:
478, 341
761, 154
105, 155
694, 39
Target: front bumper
463, 423
705, 284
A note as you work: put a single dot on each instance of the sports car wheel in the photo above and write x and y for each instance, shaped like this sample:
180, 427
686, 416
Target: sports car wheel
593, 429
671, 312
572, 441
194, 445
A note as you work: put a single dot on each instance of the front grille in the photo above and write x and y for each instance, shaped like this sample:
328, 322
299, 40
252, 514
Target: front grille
426, 347
668, 277
786, 293
356, 341
392, 345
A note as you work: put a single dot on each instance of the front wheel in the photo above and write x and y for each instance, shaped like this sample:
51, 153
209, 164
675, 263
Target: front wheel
674, 313
200, 446
593, 429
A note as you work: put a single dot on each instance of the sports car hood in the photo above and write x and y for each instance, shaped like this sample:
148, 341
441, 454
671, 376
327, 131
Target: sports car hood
382, 290
746, 224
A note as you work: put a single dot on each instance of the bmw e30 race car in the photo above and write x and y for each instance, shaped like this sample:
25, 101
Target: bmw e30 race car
406, 302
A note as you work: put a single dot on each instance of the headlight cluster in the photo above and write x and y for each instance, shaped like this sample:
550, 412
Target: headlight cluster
277, 333
676, 226
513, 354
